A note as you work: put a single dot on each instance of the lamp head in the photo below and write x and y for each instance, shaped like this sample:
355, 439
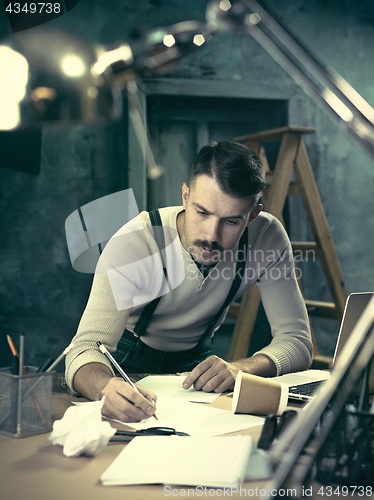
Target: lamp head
57, 77
48, 76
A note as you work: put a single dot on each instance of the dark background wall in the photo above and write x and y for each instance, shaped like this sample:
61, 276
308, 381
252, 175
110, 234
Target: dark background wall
43, 297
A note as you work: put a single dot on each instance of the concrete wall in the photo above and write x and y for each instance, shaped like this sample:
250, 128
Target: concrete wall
42, 296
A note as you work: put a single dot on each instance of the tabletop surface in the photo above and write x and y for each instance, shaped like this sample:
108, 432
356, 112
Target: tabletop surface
32, 468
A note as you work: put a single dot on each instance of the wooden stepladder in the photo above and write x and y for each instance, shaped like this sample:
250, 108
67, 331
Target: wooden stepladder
292, 157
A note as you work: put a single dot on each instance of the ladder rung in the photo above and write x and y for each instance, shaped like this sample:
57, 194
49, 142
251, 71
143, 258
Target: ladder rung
275, 134
321, 309
305, 247
293, 189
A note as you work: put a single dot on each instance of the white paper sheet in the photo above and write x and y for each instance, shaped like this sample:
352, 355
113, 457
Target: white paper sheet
212, 462
174, 409
171, 386
196, 419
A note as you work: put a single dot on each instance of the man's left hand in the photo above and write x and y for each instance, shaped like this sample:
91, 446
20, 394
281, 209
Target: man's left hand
212, 374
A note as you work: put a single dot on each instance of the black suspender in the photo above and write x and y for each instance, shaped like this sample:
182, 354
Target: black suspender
149, 309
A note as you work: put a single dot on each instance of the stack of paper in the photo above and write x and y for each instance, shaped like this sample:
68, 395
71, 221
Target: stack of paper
175, 410
214, 462
203, 459
171, 386
196, 419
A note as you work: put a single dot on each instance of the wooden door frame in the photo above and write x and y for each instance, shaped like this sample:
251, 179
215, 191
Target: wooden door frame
137, 174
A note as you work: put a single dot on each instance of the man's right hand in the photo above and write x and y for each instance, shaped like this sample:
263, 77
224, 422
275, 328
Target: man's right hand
124, 403
95, 380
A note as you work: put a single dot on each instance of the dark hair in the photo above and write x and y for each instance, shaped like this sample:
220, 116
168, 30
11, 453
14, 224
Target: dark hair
237, 169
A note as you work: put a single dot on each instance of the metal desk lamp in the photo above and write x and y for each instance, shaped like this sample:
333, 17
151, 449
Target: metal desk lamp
54, 76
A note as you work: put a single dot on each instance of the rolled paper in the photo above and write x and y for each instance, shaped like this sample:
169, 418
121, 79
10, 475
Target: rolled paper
258, 395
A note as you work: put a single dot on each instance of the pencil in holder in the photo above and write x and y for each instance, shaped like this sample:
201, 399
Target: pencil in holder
25, 403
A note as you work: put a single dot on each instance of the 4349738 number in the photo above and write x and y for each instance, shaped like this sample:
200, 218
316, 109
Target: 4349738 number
33, 8
345, 491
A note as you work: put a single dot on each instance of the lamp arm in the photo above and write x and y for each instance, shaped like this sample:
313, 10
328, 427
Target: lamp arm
342, 103
156, 51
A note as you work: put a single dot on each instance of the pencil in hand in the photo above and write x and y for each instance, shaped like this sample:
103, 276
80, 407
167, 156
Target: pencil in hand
125, 377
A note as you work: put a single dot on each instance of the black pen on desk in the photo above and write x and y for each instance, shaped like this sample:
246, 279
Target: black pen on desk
125, 377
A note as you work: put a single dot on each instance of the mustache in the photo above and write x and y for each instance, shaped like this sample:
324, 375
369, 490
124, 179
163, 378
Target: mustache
211, 247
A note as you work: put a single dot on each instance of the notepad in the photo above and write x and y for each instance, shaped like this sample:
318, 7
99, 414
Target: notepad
171, 386
197, 420
215, 462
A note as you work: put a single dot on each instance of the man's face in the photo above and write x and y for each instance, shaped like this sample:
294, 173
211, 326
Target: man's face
213, 220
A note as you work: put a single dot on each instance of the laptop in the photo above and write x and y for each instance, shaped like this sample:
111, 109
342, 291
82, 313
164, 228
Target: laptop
303, 386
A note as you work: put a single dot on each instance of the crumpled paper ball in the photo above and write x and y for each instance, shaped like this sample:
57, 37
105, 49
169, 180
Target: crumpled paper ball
81, 430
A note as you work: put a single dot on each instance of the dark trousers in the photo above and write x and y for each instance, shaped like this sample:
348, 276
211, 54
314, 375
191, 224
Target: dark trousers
136, 357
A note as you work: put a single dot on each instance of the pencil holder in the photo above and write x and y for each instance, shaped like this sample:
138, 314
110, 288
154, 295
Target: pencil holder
25, 402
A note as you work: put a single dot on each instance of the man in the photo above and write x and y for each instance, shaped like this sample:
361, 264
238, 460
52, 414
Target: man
220, 202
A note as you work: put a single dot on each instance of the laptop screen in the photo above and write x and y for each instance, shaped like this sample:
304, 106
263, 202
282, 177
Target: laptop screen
354, 307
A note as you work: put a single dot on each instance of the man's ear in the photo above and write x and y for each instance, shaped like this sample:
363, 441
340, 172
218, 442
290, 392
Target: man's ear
185, 194
252, 216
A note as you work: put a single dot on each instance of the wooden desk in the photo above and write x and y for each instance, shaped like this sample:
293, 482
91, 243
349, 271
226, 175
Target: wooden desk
32, 468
